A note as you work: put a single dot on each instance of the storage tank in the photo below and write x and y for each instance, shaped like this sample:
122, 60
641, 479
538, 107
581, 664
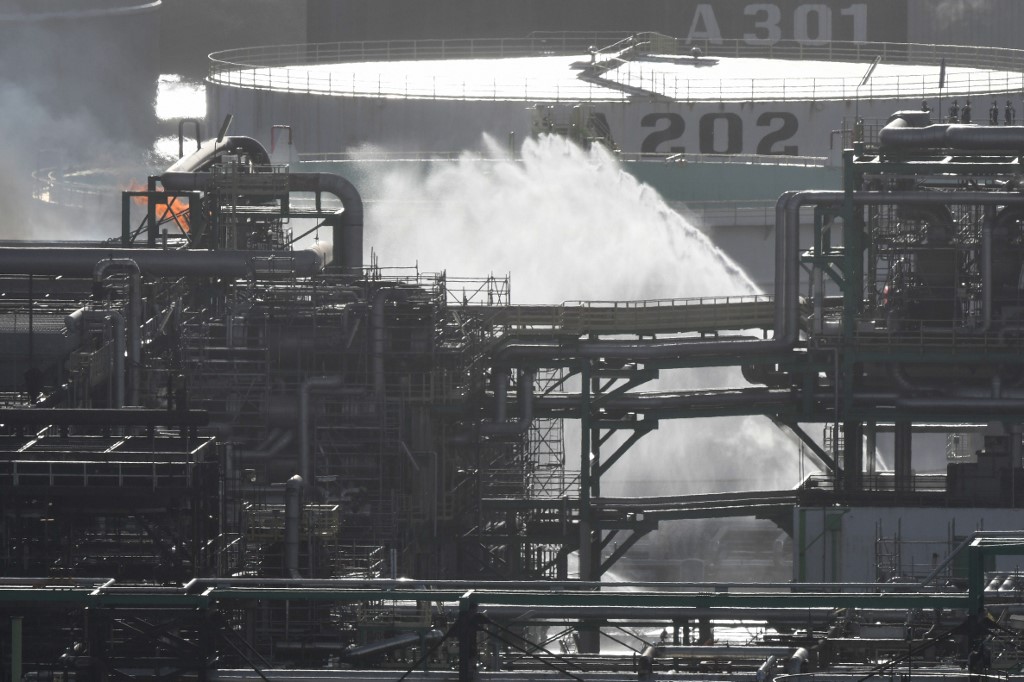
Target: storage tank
91, 61
646, 93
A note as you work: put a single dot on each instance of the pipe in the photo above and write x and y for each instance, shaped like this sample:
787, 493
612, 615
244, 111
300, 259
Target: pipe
70, 416
305, 421
766, 671
722, 651
429, 637
500, 426
798, 662
292, 525
270, 449
210, 152
347, 226
81, 261
986, 270
906, 132
134, 322
116, 320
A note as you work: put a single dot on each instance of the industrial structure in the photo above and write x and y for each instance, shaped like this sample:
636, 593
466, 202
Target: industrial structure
643, 93
225, 457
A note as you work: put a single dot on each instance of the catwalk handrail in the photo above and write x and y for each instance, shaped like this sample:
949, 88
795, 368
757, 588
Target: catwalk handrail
262, 68
712, 313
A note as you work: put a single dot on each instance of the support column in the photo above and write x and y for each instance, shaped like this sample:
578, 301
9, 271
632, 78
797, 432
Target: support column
589, 553
853, 456
901, 457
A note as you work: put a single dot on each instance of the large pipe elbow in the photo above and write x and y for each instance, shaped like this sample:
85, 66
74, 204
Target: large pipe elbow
347, 226
211, 151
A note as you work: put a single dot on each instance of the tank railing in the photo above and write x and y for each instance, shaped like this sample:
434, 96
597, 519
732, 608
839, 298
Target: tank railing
488, 156
263, 68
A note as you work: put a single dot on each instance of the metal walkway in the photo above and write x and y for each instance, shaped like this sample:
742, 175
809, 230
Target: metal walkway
663, 316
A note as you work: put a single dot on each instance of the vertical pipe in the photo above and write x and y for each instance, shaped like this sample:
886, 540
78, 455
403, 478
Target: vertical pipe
305, 422
292, 524
16, 652
134, 321
986, 269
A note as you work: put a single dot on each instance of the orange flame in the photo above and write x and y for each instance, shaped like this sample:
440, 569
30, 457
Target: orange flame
175, 208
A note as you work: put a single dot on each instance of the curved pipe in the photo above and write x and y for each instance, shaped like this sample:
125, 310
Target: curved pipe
81, 261
346, 226
305, 421
210, 152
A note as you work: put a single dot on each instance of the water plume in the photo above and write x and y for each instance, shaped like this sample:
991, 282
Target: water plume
570, 224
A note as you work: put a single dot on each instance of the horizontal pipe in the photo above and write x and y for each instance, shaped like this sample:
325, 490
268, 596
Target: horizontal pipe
81, 261
723, 651
901, 134
69, 416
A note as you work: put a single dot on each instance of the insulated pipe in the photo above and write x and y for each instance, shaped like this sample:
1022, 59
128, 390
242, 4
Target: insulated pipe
502, 427
134, 321
305, 421
799, 662
210, 152
722, 651
986, 270
901, 134
347, 226
72, 416
753, 398
81, 261
766, 671
292, 525
117, 322
391, 643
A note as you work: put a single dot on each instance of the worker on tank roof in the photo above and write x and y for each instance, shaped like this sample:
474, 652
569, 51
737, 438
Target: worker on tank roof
954, 112
993, 113
1009, 114
965, 113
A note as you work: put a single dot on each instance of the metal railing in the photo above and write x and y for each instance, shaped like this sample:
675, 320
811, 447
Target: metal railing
284, 68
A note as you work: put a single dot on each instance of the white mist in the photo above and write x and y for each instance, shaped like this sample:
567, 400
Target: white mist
571, 225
